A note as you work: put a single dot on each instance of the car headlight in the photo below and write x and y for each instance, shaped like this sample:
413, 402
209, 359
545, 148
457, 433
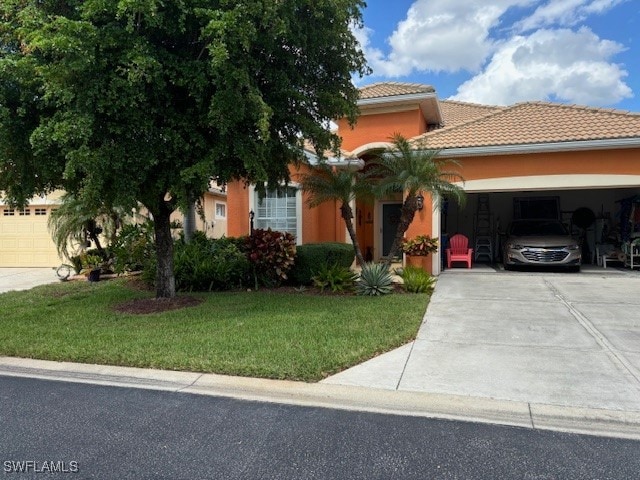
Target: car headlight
573, 247
514, 246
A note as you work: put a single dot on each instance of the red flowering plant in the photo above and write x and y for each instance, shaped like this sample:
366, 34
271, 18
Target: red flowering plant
272, 255
420, 246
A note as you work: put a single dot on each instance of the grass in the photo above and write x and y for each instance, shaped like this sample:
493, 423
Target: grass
269, 334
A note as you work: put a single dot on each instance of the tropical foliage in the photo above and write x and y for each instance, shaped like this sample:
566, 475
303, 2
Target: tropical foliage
74, 224
335, 277
327, 183
375, 279
312, 257
412, 169
128, 102
416, 280
272, 255
420, 246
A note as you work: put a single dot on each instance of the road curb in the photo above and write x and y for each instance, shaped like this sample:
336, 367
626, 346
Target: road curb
610, 423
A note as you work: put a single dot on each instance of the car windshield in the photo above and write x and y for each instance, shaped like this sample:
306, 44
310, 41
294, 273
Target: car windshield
529, 228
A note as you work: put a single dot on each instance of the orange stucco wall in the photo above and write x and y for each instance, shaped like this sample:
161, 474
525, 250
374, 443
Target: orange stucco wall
612, 162
319, 224
380, 127
237, 209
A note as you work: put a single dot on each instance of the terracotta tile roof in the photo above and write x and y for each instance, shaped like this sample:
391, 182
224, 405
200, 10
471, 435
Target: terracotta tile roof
455, 113
393, 89
537, 122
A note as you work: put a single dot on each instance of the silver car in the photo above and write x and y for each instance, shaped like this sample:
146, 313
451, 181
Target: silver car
542, 243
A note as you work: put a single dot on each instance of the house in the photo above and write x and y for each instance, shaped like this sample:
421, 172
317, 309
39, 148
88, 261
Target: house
25, 240
24, 237
528, 159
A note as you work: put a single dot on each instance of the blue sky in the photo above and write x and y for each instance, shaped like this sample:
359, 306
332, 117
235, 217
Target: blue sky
506, 51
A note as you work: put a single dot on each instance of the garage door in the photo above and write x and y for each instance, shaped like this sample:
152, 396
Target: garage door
25, 239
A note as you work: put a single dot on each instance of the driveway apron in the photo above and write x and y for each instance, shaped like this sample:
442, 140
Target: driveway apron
25, 278
545, 338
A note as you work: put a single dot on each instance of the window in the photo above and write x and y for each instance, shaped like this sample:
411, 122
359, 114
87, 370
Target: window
221, 210
41, 211
9, 212
24, 212
278, 210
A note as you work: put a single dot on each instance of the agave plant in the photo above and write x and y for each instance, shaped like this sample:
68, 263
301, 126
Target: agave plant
375, 279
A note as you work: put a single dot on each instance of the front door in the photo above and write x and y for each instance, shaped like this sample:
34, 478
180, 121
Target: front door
390, 220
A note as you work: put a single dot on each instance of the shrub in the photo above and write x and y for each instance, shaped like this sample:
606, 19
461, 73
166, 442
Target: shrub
420, 246
375, 279
133, 248
416, 280
79, 261
272, 255
313, 257
209, 264
336, 277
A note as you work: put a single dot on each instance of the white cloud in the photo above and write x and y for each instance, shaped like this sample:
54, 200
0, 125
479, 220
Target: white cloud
441, 35
565, 13
560, 64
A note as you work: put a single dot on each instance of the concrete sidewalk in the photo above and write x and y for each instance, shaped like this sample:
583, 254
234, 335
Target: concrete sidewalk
25, 278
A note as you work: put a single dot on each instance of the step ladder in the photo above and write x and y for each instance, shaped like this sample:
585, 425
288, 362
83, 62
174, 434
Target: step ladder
483, 230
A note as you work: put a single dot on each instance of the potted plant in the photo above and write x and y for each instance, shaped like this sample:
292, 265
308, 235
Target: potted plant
92, 266
418, 249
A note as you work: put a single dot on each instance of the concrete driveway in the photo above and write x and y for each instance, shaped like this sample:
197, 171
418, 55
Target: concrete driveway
545, 338
25, 278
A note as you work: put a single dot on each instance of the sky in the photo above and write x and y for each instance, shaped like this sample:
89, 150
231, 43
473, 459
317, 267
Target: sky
500, 52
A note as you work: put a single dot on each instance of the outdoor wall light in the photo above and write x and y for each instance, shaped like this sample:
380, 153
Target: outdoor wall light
419, 201
251, 217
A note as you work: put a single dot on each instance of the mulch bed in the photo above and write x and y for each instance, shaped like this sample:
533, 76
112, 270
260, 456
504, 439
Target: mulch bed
144, 306
157, 305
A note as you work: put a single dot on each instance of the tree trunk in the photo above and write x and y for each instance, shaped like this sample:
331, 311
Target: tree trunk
165, 281
407, 213
347, 215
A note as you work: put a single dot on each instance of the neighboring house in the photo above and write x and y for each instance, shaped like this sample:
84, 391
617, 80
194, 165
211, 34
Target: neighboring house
211, 217
525, 159
25, 240
24, 237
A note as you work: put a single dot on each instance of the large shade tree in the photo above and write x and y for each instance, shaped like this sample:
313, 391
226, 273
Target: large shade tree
411, 168
127, 101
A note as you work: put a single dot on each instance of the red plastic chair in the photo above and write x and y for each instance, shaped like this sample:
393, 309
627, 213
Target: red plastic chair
459, 250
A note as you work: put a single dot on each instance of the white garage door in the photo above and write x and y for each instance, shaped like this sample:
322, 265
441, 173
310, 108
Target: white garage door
24, 238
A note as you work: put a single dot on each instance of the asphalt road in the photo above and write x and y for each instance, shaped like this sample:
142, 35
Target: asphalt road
93, 431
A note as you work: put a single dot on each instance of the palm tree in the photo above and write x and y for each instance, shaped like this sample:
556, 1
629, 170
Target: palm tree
411, 169
75, 222
325, 183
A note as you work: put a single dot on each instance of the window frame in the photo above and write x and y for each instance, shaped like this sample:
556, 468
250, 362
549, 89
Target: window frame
215, 211
253, 207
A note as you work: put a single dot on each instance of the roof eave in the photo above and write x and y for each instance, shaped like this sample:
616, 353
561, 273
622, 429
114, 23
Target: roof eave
605, 144
396, 99
426, 101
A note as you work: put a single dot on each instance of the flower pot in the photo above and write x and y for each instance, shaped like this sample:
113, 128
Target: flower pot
414, 261
94, 275
426, 263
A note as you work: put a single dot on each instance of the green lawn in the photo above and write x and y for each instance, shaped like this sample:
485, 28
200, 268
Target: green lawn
261, 334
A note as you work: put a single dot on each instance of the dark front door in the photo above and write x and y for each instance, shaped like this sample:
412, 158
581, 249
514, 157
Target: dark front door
390, 220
